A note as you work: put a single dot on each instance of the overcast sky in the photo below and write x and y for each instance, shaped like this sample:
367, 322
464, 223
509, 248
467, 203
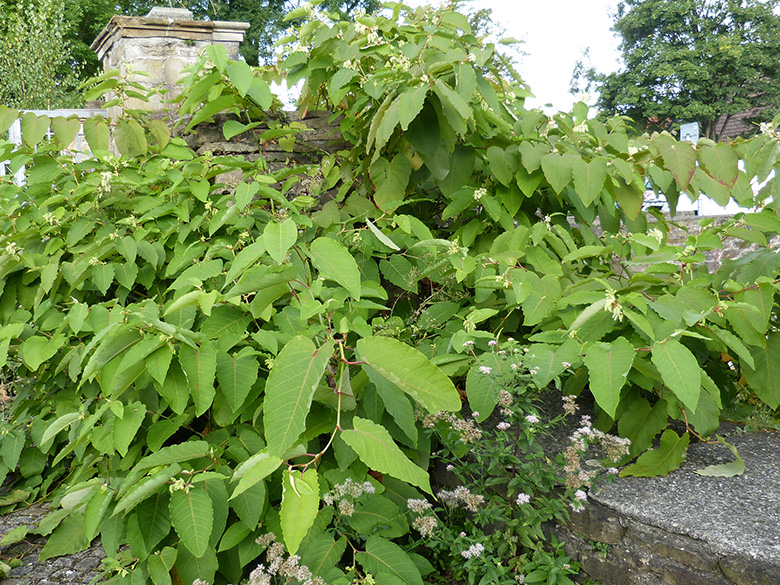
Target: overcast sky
556, 32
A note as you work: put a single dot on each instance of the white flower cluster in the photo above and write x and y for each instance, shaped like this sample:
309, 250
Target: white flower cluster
479, 193
461, 496
475, 550
349, 488
288, 568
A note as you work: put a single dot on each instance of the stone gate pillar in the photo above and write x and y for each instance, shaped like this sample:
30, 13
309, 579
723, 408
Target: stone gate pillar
160, 44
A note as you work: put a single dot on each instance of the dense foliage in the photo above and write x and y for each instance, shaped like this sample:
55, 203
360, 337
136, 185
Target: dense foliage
36, 70
693, 61
198, 364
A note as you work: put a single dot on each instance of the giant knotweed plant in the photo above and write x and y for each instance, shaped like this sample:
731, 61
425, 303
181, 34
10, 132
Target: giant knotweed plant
198, 362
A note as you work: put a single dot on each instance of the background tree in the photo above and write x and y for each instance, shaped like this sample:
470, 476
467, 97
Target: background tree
692, 60
36, 70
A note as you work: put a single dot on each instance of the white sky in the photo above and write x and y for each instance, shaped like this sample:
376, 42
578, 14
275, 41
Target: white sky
556, 32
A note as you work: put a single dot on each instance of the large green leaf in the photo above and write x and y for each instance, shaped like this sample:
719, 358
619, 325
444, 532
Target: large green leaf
192, 516
38, 349
175, 389
279, 238
154, 518
125, 428
731, 469
189, 567
721, 162
411, 371
160, 565
667, 457
589, 179
640, 423
56, 426
391, 180
608, 365
396, 403
764, 377
67, 538
300, 502
236, 375
557, 170
289, 390
174, 454
680, 160
145, 488
334, 262
323, 553
376, 448
379, 515
200, 366
254, 470
679, 370
483, 389
541, 299
546, 362
384, 556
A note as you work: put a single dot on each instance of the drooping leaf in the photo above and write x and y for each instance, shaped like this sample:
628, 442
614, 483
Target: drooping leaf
323, 553
557, 170
589, 179
483, 388
679, 370
300, 501
199, 366
334, 262
666, 458
608, 365
640, 423
411, 371
376, 448
160, 565
289, 391
731, 469
192, 516
125, 428
236, 375
396, 403
680, 159
764, 377
278, 238
67, 538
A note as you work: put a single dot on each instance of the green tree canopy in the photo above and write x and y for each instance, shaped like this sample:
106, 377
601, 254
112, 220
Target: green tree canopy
692, 60
36, 70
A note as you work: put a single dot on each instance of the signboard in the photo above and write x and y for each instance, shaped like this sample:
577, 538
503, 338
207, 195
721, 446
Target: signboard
690, 132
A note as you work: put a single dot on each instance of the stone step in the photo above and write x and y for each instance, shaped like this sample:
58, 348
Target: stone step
686, 529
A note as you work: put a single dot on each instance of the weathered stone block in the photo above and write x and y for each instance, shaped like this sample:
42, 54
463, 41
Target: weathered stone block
682, 549
598, 523
744, 571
